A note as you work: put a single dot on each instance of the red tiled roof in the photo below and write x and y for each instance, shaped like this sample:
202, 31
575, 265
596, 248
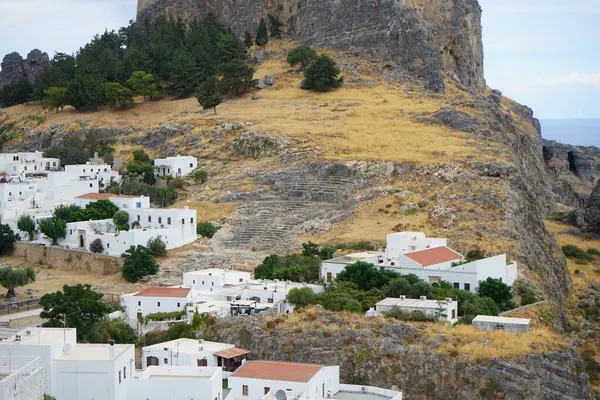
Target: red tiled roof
96, 196
164, 292
277, 371
434, 255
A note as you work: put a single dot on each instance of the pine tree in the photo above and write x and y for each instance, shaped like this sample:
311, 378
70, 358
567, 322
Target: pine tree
321, 75
275, 26
209, 94
88, 91
248, 42
237, 77
262, 36
142, 84
184, 75
118, 96
56, 97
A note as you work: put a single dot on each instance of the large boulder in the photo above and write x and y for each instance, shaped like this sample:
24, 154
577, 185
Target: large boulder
14, 67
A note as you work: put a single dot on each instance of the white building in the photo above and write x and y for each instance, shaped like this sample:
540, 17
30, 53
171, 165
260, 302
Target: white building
125, 203
214, 278
27, 163
103, 172
175, 166
49, 361
195, 353
155, 300
262, 380
176, 228
492, 323
434, 264
439, 309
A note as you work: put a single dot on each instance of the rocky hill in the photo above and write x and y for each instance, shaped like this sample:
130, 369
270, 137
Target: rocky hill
424, 38
14, 67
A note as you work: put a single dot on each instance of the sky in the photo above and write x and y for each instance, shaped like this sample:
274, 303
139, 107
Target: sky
542, 53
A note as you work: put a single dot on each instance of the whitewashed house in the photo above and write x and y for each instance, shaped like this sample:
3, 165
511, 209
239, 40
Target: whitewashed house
434, 263
194, 352
27, 163
50, 361
124, 203
262, 380
175, 166
103, 172
175, 227
446, 309
493, 323
155, 300
214, 278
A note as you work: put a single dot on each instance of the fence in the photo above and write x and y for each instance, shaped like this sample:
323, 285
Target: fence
19, 306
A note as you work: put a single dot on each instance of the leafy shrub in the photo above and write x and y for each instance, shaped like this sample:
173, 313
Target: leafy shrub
165, 316
96, 246
124, 227
416, 315
200, 175
302, 55
206, 229
139, 262
121, 218
157, 246
322, 75
177, 183
294, 267
592, 251
577, 253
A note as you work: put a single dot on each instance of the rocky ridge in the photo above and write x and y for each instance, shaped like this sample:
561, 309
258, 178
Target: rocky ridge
422, 38
14, 67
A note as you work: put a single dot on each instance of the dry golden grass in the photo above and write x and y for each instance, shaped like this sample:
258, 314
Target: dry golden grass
206, 210
479, 345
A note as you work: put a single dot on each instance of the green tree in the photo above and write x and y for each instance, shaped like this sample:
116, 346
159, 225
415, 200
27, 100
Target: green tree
100, 209
87, 91
120, 218
184, 75
237, 77
302, 55
56, 98
209, 94
142, 84
301, 297
11, 279
478, 306
139, 262
230, 48
322, 75
112, 329
163, 196
118, 95
70, 151
275, 26
140, 156
262, 35
497, 291
365, 275
27, 224
248, 42
75, 306
206, 229
398, 287
200, 175
68, 213
54, 229
157, 247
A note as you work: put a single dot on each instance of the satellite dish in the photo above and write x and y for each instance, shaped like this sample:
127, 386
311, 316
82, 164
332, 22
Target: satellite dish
280, 395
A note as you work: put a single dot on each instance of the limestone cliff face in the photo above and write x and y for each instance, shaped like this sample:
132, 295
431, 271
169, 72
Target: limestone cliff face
15, 67
423, 37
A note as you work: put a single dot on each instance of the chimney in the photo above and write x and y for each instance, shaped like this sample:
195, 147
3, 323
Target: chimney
111, 349
402, 297
423, 298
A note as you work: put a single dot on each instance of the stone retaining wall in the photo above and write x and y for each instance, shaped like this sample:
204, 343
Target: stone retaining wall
68, 260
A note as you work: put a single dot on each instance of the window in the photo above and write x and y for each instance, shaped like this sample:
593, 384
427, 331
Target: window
192, 221
202, 283
70, 231
139, 219
149, 218
270, 300
241, 279
124, 373
500, 279
169, 220
456, 285
160, 220
139, 303
192, 166
119, 376
244, 390
453, 314
267, 390
212, 284
182, 221
84, 170
25, 168
202, 363
108, 245
158, 303
178, 305
138, 204
54, 163
194, 281
467, 286
166, 361
91, 185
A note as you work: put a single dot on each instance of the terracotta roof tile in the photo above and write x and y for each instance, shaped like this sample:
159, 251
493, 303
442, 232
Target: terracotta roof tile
434, 255
277, 371
164, 292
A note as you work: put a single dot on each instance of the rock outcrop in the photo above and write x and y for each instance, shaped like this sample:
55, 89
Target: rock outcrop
14, 67
422, 37
386, 354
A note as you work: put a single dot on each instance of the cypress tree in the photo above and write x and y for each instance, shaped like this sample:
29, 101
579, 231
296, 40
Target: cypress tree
262, 36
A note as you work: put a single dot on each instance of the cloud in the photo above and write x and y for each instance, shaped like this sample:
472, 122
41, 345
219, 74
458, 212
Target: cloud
574, 78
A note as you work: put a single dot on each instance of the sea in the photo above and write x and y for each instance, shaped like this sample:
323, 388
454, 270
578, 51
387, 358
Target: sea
579, 132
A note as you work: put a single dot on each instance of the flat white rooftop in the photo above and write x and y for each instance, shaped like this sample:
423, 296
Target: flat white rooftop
502, 320
177, 373
190, 346
95, 352
353, 257
39, 336
411, 303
